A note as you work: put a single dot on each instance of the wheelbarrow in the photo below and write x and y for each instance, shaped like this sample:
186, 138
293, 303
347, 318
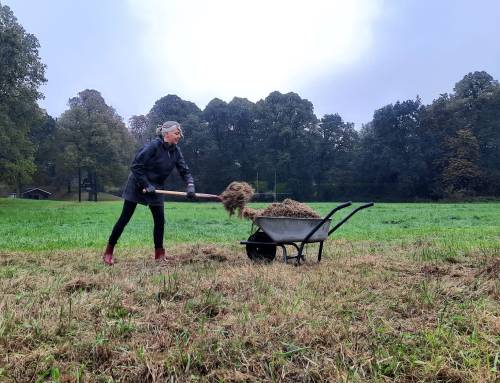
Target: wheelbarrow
272, 232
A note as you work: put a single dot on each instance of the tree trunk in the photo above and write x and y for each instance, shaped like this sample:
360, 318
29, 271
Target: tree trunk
92, 177
18, 186
95, 187
79, 184
90, 186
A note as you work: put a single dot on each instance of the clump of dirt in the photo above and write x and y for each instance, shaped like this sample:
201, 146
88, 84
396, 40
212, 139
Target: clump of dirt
492, 269
198, 253
213, 253
287, 208
80, 284
236, 196
448, 374
432, 270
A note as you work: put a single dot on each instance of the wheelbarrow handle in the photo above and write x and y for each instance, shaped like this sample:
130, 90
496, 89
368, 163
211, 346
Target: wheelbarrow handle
349, 216
341, 206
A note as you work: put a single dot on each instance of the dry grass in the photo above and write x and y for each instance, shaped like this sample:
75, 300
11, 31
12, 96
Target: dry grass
365, 313
287, 208
236, 196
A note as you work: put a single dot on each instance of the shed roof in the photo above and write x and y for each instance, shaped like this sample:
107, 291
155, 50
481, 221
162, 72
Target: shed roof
37, 189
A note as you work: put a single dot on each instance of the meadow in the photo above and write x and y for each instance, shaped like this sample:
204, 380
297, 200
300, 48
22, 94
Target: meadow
27, 225
404, 293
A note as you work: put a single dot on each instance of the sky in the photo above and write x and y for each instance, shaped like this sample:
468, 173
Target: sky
347, 57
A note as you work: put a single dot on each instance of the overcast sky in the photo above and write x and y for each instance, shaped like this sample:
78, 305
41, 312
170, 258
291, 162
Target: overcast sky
349, 57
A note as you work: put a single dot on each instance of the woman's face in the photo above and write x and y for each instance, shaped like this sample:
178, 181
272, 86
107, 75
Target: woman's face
172, 137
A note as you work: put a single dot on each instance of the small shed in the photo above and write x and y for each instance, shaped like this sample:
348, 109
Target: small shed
36, 193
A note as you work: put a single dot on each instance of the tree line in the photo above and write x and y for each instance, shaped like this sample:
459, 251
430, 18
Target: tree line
409, 151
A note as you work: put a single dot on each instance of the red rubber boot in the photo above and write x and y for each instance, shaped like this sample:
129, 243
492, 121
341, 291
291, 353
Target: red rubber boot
160, 254
107, 257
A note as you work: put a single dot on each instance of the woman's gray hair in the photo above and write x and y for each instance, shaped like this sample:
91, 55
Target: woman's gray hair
168, 126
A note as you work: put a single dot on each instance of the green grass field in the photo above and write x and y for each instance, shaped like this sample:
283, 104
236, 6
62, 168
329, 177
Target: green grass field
404, 293
51, 225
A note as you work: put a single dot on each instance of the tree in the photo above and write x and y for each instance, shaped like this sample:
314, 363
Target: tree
284, 130
242, 136
21, 74
216, 115
475, 84
139, 129
334, 156
228, 135
392, 162
461, 173
44, 139
475, 108
220, 166
96, 143
488, 136
170, 108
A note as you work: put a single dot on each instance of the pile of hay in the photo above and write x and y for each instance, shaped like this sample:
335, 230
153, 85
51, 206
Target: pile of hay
287, 208
251, 214
236, 196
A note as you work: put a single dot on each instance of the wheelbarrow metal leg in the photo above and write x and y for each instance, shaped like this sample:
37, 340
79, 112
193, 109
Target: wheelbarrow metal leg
285, 255
320, 251
300, 253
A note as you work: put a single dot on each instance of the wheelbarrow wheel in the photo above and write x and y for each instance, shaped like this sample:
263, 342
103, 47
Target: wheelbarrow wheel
261, 252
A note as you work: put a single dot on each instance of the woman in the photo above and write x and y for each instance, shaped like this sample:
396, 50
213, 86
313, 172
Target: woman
149, 170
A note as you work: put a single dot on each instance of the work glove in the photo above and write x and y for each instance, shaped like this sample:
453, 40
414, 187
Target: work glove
190, 191
150, 189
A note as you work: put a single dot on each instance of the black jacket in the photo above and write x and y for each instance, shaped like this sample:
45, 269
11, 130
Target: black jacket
151, 166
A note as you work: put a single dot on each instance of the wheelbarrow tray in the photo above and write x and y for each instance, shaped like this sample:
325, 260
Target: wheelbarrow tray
290, 229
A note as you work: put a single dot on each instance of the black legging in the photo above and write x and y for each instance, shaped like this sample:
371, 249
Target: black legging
128, 211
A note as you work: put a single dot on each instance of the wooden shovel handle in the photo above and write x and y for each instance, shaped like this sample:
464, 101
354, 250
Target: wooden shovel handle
184, 194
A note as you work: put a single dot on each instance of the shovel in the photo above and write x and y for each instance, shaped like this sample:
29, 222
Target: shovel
184, 194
